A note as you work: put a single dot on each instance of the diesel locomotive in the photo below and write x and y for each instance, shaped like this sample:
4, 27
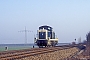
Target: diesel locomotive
45, 37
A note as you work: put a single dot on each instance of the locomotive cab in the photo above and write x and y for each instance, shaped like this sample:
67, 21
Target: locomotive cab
46, 37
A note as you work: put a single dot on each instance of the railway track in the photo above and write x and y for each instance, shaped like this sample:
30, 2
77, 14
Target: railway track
17, 54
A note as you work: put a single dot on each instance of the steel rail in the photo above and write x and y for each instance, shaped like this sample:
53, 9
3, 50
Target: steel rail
26, 53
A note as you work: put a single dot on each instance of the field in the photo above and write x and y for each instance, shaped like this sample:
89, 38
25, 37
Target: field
15, 46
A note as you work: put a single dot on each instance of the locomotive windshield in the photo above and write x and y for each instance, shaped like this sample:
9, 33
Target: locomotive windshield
49, 34
42, 35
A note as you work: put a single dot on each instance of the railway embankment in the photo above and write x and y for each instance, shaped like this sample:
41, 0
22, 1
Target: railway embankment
82, 54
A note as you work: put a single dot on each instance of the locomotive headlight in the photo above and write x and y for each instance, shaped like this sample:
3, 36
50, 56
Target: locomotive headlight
49, 28
42, 33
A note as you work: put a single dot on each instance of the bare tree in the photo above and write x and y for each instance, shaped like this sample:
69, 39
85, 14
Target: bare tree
87, 52
88, 38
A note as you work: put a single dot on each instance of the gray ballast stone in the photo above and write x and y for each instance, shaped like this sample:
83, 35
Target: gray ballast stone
57, 55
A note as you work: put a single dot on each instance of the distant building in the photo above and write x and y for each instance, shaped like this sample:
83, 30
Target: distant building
79, 40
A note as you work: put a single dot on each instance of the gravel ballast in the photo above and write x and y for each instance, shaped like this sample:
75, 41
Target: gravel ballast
57, 55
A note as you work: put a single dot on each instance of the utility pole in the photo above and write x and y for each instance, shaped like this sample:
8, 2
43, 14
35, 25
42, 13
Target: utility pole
25, 34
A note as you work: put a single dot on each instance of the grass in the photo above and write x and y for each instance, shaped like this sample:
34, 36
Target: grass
13, 48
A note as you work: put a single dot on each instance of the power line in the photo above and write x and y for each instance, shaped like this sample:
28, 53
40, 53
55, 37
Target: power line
25, 34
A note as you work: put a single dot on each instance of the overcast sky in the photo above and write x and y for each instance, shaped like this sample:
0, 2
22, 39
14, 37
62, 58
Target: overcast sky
70, 19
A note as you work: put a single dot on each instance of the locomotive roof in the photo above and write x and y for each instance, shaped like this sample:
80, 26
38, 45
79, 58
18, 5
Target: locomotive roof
46, 27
